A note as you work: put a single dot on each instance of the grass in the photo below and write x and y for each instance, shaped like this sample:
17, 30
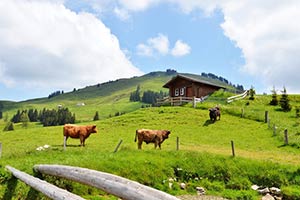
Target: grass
205, 153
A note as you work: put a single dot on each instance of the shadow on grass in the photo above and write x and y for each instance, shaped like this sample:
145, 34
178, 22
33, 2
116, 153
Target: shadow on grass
208, 122
10, 189
69, 145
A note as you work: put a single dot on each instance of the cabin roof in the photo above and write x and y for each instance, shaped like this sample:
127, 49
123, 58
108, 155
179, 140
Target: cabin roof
192, 79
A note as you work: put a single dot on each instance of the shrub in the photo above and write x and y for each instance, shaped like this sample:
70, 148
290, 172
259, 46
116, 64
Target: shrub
9, 126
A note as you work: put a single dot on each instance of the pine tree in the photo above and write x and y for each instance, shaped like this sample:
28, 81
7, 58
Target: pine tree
135, 96
24, 119
284, 101
9, 126
274, 101
96, 117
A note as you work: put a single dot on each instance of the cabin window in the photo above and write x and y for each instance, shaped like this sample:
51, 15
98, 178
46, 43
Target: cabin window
182, 91
176, 92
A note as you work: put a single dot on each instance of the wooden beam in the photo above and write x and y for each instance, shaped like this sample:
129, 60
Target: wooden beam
115, 185
46, 188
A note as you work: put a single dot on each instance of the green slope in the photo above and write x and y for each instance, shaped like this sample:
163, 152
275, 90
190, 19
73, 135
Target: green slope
106, 98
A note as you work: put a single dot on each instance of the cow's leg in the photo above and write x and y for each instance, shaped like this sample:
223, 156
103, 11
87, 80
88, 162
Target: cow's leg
81, 140
140, 145
65, 140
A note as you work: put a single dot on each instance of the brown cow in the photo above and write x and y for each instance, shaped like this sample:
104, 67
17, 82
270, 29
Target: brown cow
81, 132
151, 136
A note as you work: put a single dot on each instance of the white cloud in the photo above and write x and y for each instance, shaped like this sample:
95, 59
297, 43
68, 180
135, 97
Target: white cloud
144, 50
180, 49
45, 45
160, 46
138, 5
121, 13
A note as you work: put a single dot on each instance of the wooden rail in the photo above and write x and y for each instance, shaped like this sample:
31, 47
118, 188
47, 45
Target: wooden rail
115, 185
180, 100
46, 188
237, 97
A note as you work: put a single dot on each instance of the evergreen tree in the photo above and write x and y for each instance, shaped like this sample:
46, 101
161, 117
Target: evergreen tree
9, 126
24, 119
96, 117
284, 101
274, 101
16, 117
135, 96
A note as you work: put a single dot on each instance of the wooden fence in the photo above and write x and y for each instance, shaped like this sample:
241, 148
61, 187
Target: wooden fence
237, 97
112, 184
175, 101
46, 188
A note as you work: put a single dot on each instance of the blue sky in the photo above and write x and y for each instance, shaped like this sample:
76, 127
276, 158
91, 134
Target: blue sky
52, 45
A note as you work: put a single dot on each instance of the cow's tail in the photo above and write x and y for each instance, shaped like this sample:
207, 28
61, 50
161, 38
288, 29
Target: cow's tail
136, 132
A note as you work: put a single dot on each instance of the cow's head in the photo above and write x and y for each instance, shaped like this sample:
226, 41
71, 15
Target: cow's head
94, 129
212, 110
166, 134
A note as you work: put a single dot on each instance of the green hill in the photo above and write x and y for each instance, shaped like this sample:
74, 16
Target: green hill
107, 98
204, 157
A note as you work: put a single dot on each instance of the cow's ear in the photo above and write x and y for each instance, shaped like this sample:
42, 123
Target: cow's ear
94, 126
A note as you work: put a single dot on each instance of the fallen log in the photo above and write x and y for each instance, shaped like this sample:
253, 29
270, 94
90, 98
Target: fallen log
112, 184
44, 187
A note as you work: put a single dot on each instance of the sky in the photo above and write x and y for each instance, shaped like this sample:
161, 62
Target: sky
54, 45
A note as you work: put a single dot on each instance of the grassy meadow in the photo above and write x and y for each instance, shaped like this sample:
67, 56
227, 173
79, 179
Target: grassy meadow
204, 157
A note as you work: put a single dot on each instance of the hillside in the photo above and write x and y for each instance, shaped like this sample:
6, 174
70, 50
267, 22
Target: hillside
107, 98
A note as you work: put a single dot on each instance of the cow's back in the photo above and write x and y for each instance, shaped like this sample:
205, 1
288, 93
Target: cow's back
146, 135
71, 131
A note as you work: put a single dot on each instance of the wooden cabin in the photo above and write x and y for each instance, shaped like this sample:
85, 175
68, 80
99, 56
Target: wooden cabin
186, 86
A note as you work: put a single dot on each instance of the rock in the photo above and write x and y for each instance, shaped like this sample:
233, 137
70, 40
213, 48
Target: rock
275, 191
277, 198
263, 191
267, 197
254, 187
182, 186
200, 190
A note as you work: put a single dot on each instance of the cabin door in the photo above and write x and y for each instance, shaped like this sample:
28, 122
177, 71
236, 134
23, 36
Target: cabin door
189, 92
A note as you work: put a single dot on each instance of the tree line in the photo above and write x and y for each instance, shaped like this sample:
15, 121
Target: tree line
224, 80
47, 117
149, 97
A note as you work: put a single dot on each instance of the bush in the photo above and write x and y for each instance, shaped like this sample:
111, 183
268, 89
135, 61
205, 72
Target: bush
9, 126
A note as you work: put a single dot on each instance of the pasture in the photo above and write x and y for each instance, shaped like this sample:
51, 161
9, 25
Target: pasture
204, 157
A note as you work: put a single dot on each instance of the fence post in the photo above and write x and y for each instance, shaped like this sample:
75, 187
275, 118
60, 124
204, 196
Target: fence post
117, 147
194, 102
177, 143
243, 111
286, 137
232, 148
0, 149
266, 116
65, 141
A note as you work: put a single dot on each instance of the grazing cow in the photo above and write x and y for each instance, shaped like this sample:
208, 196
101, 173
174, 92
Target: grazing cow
81, 132
151, 136
214, 113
